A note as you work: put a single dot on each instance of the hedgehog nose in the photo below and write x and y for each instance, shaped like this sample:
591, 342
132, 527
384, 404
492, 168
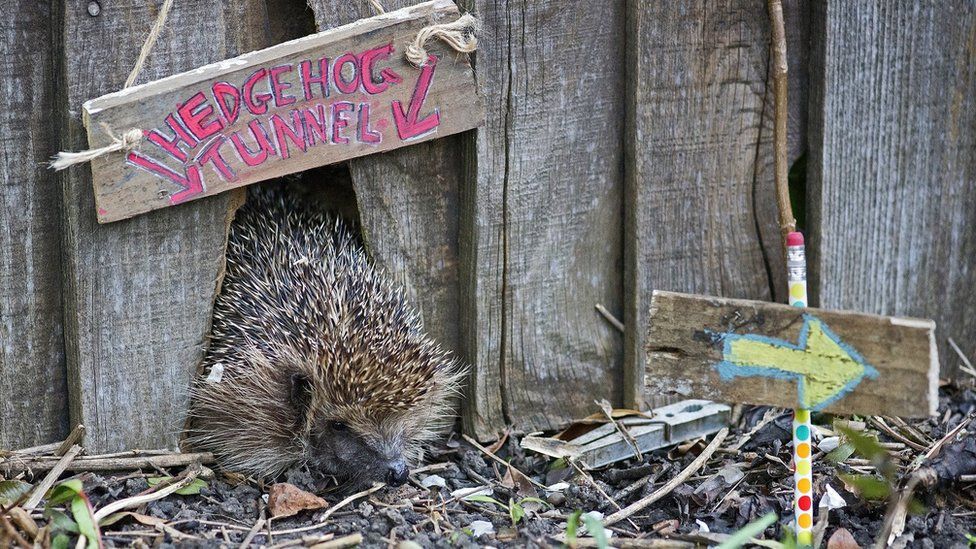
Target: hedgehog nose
396, 473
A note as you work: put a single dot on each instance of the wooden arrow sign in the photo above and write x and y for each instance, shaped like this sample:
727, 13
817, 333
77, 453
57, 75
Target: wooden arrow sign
755, 352
318, 100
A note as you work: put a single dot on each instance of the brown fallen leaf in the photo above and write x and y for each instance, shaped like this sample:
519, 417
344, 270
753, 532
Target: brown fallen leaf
842, 539
285, 500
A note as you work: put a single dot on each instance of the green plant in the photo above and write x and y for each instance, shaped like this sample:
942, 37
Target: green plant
81, 521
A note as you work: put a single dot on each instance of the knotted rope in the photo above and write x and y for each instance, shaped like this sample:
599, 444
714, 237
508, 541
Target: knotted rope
132, 137
459, 34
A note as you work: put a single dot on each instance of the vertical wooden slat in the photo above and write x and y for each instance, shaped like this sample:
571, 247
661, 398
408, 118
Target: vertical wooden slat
408, 205
892, 173
32, 376
701, 217
138, 293
541, 228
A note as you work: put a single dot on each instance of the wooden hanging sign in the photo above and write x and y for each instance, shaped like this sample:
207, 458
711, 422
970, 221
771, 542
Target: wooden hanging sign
318, 100
755, 352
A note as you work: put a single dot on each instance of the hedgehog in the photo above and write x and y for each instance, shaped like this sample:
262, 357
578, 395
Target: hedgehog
315, 358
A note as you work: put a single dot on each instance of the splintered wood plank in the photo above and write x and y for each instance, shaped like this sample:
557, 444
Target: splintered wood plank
33, 407
755, 352
316, 100
699, 216
408, 205
893, 162
138, 293
541, 217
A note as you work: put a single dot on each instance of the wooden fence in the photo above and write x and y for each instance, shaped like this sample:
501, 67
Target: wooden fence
627, 148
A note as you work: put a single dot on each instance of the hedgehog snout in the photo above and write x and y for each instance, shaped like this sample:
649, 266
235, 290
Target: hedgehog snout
397, 472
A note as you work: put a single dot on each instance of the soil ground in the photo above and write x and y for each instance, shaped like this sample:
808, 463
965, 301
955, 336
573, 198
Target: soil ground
748, 477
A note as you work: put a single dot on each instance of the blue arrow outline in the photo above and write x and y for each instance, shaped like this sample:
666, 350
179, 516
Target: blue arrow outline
729, 370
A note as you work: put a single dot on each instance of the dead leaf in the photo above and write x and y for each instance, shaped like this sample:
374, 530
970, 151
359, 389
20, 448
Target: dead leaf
285, 500
515, 479
842, 539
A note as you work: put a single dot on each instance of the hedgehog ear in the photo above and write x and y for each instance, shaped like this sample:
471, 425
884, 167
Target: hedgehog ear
300, 392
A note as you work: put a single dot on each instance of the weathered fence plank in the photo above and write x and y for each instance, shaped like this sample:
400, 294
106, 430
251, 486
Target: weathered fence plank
541, 222
893, 162
32, 377
138, 293
408, 205
699, 218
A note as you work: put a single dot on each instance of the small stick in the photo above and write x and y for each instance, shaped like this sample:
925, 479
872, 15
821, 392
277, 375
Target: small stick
338, 543
610, 318
254, 531
486, 452
73, 438
672, 484
968, 368
15, 464
605, 495
160, 492
38, 493
787, 223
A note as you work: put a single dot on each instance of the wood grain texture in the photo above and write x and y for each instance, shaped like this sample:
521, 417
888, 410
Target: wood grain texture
32, 376
893, 162
138, 293
701, 212
541, 217
871, 365
408, 206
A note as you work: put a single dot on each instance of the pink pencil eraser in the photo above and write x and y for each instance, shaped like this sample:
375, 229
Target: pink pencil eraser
794, 239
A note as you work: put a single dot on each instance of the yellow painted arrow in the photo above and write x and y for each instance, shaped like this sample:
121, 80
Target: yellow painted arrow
826, 368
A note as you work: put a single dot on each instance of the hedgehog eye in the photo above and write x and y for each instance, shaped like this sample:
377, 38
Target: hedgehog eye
338, 426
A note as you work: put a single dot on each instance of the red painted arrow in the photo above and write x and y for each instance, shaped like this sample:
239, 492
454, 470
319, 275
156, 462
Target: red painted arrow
191, 184
407, 124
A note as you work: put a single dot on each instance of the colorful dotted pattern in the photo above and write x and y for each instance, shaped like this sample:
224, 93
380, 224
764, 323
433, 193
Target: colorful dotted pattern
803, 466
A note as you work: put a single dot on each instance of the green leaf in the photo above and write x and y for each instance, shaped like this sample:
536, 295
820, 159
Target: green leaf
191, 489
868, 486
558, 464
867, 446
484, 499
749, 531
13, 490
516, 511
595, 528
536, 500
60, 521
82, 512
60, 541
572, 524
840, 453
64, 491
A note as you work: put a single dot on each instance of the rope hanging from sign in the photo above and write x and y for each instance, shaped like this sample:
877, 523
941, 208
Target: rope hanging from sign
132, 137
459, 35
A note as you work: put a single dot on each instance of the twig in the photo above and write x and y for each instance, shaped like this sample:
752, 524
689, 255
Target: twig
73, 438
12, 534
880, 424
937, 446
253, 532
330, 511
894, 523
38, 493
672, 484
162, 490
610, 318
501, 461
787, 223
603, 493
16, 463
344, 541
968, 366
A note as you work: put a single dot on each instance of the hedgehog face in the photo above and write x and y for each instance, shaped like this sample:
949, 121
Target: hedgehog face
354, 458
343, 444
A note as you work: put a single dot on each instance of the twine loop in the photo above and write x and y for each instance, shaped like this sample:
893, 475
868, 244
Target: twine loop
459, 35
129, 140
